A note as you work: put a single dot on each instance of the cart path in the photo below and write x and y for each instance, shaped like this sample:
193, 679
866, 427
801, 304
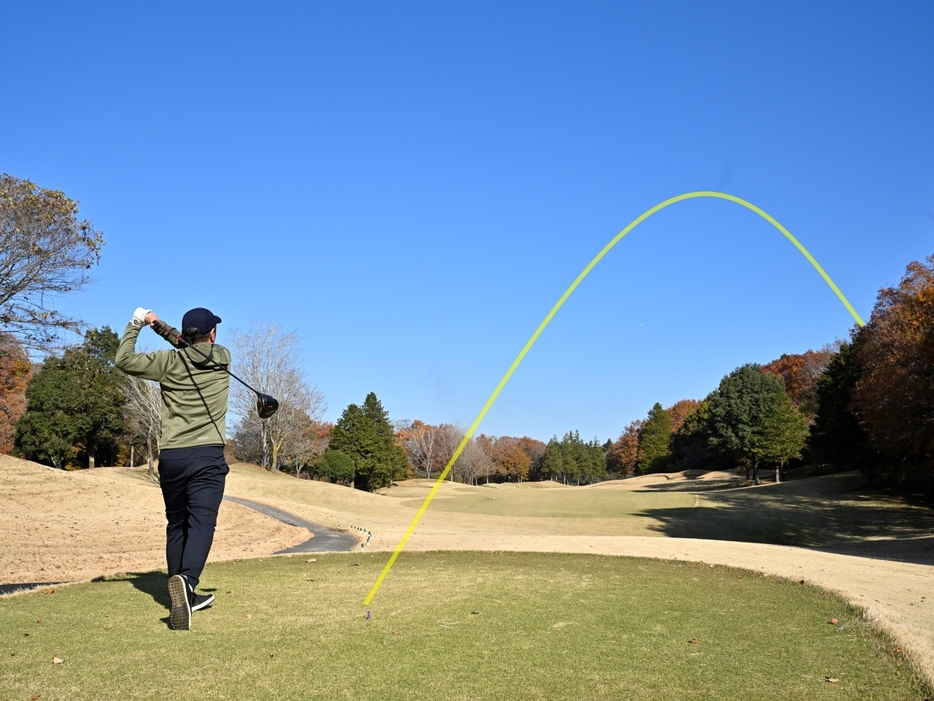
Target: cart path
322, 540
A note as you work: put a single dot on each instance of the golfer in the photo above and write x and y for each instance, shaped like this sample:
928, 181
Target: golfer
192, 469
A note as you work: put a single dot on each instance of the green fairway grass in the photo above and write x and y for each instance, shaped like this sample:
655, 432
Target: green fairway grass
556, 503
451, 626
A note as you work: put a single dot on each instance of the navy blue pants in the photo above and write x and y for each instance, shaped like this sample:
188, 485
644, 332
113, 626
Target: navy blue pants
192, 481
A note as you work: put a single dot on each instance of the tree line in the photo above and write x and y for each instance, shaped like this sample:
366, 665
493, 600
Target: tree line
866, 403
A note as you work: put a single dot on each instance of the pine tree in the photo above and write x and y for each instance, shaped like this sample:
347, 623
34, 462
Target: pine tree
655, 442
366, 436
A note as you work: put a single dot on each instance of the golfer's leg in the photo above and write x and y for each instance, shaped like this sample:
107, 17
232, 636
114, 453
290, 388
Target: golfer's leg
175, 495
205, 492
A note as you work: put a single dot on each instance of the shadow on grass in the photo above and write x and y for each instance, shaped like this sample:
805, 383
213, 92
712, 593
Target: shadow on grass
837, 514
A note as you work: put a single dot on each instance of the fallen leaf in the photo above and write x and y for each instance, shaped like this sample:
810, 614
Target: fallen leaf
309, 580
833, 621
33, 697
395, 633
313, 559
49, 591
354, 564
57, 660
801, 581
896, 649
271, 655
249, 616
693, 641
38, 620
832, 680
475, 613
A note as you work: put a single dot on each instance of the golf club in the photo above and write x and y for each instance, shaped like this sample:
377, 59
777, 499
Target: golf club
266, 405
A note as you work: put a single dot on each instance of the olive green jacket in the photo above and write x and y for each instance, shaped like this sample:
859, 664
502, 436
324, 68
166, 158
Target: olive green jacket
189, 418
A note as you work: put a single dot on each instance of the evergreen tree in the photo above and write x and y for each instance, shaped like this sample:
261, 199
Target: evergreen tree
781, 435
837, 438
366, 436
739, 409
553, 460
74, 407
655, 442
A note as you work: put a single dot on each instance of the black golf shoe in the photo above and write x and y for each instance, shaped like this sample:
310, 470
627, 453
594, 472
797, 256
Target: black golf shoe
200, 601
180, 616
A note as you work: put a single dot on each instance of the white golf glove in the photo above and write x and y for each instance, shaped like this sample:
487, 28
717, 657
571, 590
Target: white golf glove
139, 317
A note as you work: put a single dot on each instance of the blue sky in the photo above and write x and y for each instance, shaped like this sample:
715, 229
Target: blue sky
412, 186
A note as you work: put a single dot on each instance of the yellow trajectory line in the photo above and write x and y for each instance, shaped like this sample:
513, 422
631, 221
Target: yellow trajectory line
547, 320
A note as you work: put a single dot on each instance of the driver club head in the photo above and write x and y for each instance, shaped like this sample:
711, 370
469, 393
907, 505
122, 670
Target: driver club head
265, 405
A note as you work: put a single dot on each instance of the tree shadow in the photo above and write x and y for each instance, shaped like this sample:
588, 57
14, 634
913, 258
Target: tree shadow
837, 514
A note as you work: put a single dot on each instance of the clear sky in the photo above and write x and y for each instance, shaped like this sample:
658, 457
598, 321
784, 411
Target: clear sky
412, 186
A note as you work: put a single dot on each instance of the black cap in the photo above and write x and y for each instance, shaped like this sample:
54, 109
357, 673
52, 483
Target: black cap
200, 318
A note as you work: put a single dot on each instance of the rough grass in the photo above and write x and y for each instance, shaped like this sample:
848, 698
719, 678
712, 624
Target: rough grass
451, 626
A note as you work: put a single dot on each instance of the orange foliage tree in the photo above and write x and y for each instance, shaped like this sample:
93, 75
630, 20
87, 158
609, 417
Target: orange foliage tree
624, 455
679, 411
894, 397
15, 371
800, 373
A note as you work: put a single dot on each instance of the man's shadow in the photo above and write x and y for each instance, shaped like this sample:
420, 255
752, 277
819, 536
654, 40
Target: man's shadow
155, 584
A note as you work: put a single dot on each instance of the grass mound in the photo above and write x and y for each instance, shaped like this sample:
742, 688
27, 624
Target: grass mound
451, 626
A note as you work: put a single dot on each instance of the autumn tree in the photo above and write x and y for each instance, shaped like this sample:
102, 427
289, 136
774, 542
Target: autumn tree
894, 395
679, 411
655, 442
510, 461
75, 406
535, 450
624, 455
422, 445
15, 373
474, 462
800, 373
45, 250
268, 358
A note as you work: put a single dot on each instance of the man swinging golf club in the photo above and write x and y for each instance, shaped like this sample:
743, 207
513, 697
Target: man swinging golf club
194, 380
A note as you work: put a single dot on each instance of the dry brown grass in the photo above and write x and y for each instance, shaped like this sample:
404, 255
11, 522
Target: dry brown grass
64, 526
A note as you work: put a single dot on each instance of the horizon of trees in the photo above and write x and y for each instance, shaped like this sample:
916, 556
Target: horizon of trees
867, 403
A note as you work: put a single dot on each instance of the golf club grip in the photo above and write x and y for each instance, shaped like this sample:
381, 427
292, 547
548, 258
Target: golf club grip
161, 328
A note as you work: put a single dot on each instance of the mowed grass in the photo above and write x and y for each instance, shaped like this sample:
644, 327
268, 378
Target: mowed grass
571, 502
451, 626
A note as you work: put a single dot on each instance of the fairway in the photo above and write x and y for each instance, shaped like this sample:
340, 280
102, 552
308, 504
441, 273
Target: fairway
556, 503
451, 626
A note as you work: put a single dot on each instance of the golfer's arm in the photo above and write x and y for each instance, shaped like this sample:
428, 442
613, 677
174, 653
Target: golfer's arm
169, 333
149, 366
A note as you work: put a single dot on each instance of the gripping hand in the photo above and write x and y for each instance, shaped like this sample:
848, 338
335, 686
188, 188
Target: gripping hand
139, 317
